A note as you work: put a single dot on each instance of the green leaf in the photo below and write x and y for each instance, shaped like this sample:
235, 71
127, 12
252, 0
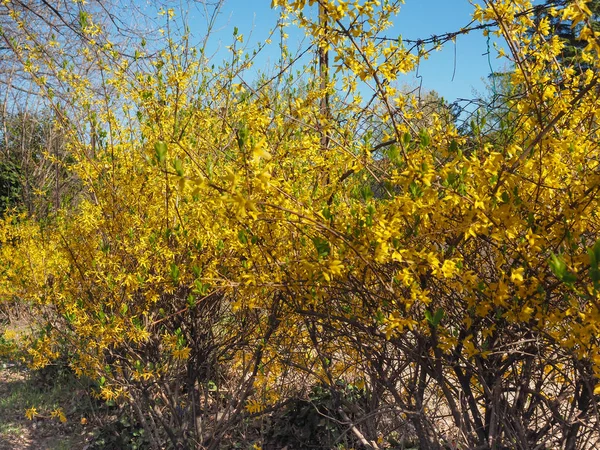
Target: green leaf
242, 136
594, 254
559, 268
178, 166
452, 178
191, 301
137, 323
425, 139
415, 190
453, 146
366, 193
160, 151
370, 215
69, 316
438, 316
569, 278
393, 152
434, 319
174, 272
83, 19
428, 316
322, 246
197, 271
200, 288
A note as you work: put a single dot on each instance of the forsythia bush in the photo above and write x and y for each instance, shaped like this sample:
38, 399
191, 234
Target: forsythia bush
234, 244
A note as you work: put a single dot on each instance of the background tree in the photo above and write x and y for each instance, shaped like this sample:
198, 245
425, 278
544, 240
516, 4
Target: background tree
34, 147
572, 52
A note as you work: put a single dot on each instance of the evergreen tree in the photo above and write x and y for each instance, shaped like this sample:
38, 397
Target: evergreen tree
571, 55
10, 185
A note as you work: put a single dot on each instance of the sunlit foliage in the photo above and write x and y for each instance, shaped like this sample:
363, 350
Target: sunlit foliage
224, 257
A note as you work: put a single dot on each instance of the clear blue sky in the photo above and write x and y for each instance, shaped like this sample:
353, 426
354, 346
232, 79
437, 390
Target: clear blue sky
454, 72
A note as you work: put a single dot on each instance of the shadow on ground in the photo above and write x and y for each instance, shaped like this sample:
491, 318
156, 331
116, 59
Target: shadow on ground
17, 393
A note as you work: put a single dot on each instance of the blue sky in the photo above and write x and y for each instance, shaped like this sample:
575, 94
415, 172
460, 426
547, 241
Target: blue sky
457, 71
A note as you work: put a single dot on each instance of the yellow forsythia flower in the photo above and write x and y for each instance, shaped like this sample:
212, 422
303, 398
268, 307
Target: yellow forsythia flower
59, 414
31, 413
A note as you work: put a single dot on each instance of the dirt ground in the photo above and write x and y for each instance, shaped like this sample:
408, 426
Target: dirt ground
17, 393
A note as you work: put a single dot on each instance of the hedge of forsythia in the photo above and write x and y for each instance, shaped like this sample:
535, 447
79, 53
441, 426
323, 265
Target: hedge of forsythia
223, 256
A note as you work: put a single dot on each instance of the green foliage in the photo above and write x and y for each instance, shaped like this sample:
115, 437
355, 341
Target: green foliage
559, 268
10, 185
120, 433
315, 422
160, 151
34, 166
571, 55
436, 318
594, 254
